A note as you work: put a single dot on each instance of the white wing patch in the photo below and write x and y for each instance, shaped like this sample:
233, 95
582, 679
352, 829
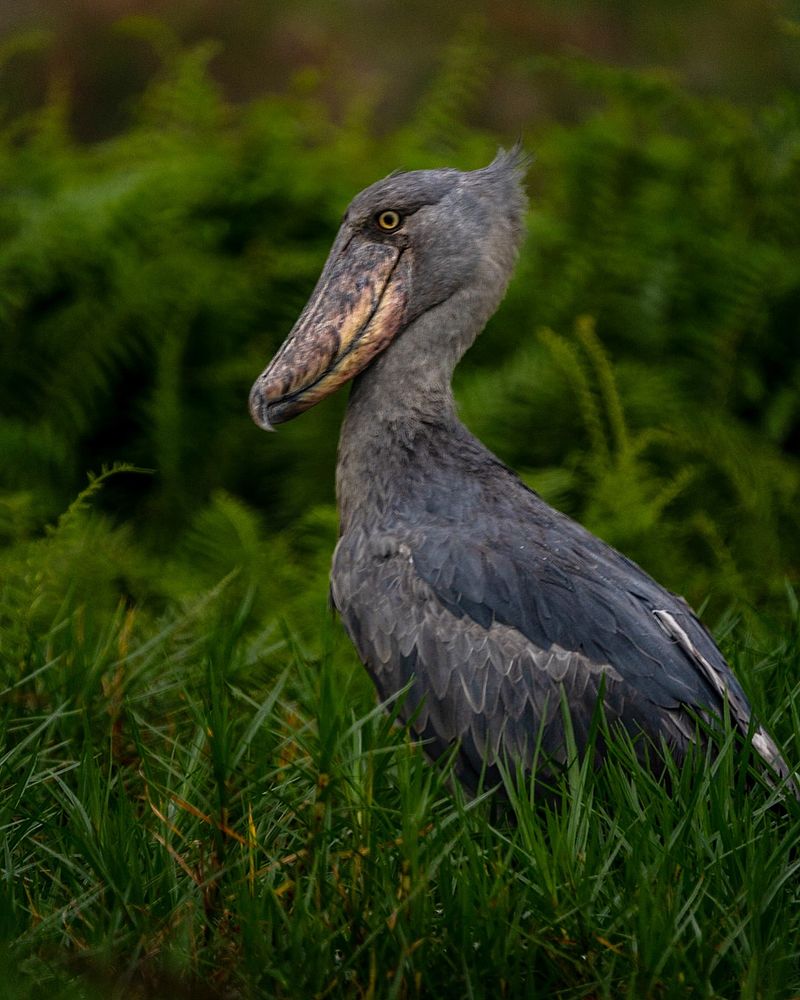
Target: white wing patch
761, 741
676, 632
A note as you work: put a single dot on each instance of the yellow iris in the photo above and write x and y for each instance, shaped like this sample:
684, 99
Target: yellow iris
388, 220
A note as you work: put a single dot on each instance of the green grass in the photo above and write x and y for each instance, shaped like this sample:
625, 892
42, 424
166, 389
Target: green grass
192, 806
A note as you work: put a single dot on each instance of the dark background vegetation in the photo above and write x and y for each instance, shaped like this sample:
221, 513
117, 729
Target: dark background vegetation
172, 187
173, 174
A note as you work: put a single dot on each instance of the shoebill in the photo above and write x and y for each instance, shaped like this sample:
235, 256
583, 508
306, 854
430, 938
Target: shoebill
453, 578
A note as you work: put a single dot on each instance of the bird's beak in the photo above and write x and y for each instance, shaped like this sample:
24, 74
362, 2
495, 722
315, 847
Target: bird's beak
357, 308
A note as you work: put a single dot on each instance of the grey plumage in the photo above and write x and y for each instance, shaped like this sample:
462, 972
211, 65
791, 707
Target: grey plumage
450, 575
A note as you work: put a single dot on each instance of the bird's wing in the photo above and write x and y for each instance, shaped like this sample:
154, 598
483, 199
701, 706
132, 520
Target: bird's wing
475, 676
560, 586
489, 636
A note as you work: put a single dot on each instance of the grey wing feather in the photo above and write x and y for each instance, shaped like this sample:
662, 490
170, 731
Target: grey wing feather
476, 679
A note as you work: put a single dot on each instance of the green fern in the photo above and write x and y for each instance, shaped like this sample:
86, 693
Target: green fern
438, 130
84, 500
145, 281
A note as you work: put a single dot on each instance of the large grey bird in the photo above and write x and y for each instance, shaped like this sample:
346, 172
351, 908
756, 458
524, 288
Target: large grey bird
450, 574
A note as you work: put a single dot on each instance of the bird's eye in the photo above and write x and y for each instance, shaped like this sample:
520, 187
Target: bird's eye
388, 221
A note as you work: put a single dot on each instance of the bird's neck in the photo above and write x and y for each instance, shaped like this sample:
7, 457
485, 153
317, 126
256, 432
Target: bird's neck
401, 407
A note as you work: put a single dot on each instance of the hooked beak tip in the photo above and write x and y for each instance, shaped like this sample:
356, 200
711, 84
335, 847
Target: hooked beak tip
259, 407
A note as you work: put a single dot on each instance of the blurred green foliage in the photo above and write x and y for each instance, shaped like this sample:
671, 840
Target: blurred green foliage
643, 372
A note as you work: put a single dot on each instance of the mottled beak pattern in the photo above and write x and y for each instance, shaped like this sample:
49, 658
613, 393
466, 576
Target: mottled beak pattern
356, 310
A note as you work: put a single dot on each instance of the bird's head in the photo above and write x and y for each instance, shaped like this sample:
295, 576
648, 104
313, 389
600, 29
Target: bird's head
407, 245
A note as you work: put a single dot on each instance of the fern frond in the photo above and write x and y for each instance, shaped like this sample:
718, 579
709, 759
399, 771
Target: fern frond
588, 339
97, 481
225, 536
438, 125
572, 367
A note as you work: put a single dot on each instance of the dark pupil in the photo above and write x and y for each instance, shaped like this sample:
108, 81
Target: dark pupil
389, 219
